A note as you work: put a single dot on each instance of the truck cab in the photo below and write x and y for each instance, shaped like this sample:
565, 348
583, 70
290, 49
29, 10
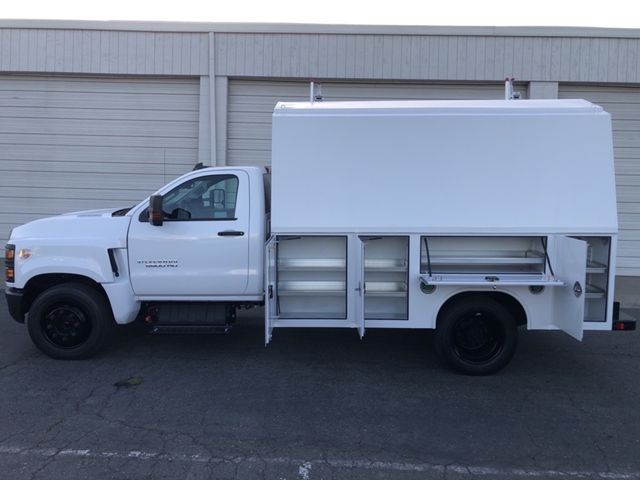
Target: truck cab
205, 247
224, 209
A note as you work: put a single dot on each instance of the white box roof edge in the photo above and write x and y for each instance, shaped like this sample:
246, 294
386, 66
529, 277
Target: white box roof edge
440, 107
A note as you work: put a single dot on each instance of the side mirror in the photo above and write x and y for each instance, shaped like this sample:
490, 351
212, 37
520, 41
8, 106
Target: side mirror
156, 213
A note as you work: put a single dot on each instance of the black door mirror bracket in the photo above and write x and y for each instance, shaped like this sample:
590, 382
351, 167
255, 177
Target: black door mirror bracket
156, 214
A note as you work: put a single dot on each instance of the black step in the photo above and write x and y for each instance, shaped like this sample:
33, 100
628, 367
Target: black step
190, 329
194, 314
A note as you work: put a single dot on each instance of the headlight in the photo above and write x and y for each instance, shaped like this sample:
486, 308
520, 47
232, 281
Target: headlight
9, 263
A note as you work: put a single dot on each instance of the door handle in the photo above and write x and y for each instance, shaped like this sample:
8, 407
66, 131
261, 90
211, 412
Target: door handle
577, 289
230, 233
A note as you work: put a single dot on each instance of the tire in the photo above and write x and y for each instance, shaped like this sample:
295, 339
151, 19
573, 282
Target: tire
476, 336
71, 321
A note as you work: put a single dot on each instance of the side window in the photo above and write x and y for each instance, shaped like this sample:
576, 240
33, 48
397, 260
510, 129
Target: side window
205, 198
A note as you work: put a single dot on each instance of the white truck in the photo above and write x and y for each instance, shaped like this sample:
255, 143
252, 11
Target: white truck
472, 218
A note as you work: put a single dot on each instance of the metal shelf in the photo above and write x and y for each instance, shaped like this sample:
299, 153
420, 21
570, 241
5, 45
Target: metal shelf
485, 260
490, 279
311, 315
385, 316
596, 267
386, 264
304, 287
385, 294
594, 292
385, 289
338, 264
311, 264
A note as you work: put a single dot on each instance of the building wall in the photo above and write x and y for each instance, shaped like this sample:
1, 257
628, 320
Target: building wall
442, 57
69, 143
555, 57
235, 66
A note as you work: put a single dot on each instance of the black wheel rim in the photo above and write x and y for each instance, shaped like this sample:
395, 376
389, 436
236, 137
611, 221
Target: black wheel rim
66, 326
477, 338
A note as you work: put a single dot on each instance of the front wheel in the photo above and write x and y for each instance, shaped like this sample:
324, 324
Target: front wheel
476, 336
71, 321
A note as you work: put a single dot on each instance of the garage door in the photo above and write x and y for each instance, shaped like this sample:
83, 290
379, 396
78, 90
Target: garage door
623, 103
81, 143
251, 103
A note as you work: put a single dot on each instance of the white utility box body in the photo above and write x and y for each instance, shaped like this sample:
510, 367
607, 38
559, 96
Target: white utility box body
382, 211
446, 167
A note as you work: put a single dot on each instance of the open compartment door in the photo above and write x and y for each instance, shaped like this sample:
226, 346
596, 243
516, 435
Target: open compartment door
270, 289
570, 264
361, 290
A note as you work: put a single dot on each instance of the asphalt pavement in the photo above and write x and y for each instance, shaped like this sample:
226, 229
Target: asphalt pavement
317, 404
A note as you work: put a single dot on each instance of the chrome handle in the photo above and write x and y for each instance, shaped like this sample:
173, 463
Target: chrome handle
577, 289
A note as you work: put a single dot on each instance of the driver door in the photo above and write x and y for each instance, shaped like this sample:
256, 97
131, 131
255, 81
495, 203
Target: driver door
202, 247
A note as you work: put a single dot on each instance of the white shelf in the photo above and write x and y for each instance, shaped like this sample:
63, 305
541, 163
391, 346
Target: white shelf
531, 259
595, 267
386, 264
594, 292
385, 316
308, 322
311, 264
385, 294
304, 287
311, 316
385, 289
338, 264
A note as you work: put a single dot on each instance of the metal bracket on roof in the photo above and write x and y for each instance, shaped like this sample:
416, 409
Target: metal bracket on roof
509, 94
315, 92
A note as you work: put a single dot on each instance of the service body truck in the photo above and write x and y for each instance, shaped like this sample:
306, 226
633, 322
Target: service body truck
473, 218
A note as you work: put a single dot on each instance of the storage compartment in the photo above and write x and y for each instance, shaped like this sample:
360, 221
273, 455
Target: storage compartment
312, 277
598, 257
482, 255
386, 261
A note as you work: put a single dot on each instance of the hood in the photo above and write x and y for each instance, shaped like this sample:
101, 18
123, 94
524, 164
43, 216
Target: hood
102, 212
95, 226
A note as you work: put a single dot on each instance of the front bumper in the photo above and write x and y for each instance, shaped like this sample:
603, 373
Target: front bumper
14, 302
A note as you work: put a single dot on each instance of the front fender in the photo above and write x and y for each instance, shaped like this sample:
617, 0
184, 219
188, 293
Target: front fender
86, 260
94, 265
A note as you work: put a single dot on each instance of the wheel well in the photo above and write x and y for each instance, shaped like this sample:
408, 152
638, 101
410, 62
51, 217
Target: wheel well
510, 303
40, 283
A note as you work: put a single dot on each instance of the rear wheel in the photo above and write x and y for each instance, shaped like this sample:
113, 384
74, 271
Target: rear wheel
70, 321
476, 335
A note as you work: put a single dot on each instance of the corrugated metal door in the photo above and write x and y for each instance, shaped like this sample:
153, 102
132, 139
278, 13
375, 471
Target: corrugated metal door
81, 143
623, 103
251, 103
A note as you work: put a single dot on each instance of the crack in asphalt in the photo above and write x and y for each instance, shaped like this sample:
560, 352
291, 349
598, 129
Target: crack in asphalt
603, 452
443, 470
15, 362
